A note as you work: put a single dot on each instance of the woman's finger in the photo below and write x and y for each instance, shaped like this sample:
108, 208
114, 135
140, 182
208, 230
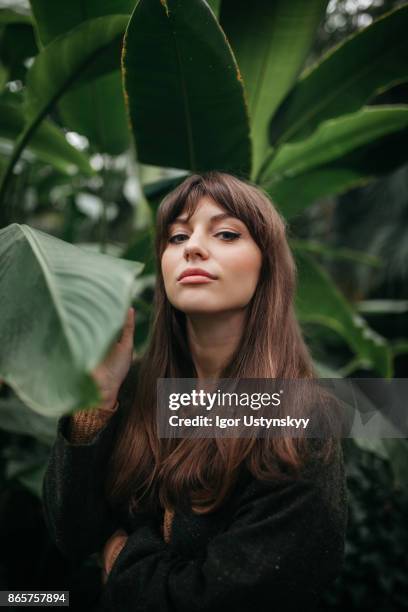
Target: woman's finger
114, 551
128, 328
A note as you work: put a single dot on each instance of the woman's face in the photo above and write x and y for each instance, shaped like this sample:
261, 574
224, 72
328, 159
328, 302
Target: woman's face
219, 245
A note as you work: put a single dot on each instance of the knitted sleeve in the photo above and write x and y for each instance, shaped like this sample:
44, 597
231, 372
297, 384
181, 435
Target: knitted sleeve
84, 424
76, 512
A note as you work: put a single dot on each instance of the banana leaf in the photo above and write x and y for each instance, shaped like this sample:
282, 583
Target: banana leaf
62, 308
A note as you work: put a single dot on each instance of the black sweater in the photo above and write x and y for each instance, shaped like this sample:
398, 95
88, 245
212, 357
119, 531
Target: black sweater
271, 546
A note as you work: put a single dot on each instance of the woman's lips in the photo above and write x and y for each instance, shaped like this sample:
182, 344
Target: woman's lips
195, 279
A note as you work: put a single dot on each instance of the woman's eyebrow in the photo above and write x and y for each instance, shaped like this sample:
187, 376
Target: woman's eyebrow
214, 218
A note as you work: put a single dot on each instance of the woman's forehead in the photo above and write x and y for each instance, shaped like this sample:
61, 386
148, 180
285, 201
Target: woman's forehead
204, 206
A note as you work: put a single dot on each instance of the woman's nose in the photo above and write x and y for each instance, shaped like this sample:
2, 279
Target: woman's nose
195, 248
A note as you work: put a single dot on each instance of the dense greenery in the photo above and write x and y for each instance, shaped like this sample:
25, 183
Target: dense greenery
106, 105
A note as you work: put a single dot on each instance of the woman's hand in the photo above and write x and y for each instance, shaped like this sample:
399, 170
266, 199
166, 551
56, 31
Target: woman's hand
110, 374
111, 551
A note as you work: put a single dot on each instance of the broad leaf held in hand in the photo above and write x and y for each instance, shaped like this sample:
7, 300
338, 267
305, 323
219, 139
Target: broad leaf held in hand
62, 308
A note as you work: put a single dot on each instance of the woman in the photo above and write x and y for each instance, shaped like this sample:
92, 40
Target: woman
203, 524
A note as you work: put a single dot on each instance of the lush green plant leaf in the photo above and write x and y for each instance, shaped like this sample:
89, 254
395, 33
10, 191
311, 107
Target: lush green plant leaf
142, 249
319, 301
183, 88
369, 61
96, 109
160, 188
293, 194
15, 417
48, 143
98, 112
57, 67
271, 41
66, 58
356, 168
333, 139
155, 192
55, 18
319, 248
62, 308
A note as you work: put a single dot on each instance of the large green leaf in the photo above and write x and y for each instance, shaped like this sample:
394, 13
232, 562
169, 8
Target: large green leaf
366, 63
156, 191
57, 67
91, 47
141, 248
319, 301
333, 139
339, 253
98, 112
97, 108
271, 41
183, 88
62, 307
292, 194
55, 18
48, 142
64, 61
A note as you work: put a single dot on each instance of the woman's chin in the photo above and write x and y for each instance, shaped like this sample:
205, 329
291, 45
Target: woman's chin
190, 307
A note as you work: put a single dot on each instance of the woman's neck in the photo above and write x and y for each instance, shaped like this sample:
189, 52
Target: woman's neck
213, 339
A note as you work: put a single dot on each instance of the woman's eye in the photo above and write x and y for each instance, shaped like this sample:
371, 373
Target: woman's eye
230, 235
173, 238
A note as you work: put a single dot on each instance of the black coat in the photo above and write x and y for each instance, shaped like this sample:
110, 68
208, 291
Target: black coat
270, 547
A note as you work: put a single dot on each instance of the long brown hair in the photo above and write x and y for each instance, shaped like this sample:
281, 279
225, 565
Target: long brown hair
147, 471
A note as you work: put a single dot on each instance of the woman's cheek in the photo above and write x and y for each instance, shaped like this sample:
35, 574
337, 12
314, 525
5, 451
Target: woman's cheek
245, 275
